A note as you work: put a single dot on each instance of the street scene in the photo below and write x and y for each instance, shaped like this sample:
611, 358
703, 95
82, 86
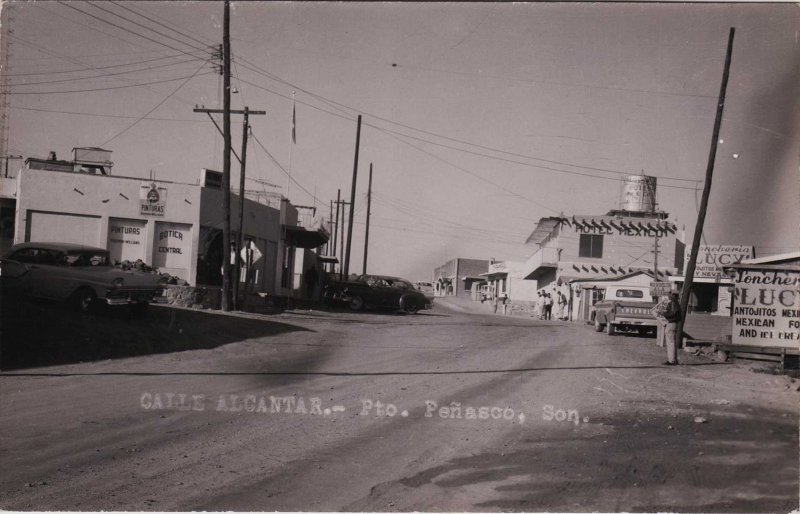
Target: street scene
399, 257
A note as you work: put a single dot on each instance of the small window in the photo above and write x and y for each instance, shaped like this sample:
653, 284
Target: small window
630, 293
26, 255
591, 245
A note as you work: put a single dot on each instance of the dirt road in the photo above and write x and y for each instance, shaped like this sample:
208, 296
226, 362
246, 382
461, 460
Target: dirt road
448, 410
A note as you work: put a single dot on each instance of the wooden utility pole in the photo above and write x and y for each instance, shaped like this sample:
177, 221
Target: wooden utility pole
336, 225
688, 280
233, 245
366, 233
226, 157
352, 202
341, 239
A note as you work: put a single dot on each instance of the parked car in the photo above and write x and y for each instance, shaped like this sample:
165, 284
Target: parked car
625, 307
78, 274
378, 292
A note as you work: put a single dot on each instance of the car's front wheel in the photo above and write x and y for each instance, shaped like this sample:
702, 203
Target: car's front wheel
411, 308
355, 303
84, 299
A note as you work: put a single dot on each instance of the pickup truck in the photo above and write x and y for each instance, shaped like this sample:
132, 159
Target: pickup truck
625, 307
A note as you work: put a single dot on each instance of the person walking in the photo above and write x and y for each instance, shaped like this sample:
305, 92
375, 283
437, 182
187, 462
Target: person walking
494, 303
669, 310
505, 304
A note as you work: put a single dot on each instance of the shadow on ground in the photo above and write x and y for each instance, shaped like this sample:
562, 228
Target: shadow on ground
34, 334
735, 462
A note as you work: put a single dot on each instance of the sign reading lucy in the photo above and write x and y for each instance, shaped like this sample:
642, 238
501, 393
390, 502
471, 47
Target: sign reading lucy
152, 199
712, 258
766, 308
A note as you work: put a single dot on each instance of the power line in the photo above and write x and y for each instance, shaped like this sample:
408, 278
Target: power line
78, 70
97, 115
204, 43
154, 108
103, 88
96, 6
71, 79
123, 28
280, 167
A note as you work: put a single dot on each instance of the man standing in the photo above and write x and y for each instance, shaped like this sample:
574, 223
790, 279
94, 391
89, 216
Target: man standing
670, 312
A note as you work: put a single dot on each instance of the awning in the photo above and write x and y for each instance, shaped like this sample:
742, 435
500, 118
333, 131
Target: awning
303, 238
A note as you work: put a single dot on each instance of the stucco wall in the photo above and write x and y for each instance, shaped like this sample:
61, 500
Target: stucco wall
66, 196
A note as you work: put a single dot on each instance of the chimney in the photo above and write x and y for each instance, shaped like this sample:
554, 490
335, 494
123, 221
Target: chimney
51, 156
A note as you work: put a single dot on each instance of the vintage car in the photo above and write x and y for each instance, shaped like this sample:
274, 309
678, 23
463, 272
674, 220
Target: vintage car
625, 308
378, 292
78, 274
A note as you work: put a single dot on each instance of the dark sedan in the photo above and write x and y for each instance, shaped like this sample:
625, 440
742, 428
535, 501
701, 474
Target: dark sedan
378, 292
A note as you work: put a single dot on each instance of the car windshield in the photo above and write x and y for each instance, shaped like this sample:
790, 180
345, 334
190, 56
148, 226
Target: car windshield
85, 258
630, 293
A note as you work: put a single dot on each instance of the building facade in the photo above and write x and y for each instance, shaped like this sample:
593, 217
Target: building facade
458, 276
602, 246
175, 227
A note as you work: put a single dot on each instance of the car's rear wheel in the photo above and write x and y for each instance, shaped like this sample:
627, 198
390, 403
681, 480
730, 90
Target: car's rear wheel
411, 308
84, 299
598, 327
355, 303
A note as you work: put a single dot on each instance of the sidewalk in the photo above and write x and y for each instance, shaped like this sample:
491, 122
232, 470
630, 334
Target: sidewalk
460, 304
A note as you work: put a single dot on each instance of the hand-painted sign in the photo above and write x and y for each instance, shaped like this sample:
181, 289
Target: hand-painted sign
660, 288
766, 308
153, 199
126, 239
712, 258
173, 245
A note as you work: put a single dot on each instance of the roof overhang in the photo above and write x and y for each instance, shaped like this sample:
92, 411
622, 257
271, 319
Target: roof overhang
303, 238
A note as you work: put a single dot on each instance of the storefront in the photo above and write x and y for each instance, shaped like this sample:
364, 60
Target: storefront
174, 227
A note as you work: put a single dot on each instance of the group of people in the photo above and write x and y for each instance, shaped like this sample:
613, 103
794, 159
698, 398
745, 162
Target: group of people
547, 307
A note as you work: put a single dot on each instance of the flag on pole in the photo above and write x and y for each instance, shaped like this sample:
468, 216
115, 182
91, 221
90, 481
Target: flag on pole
294, 135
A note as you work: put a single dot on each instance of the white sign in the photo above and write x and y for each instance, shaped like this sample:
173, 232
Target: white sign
126, 239
173, 245
152, 199
711, 259
766, 309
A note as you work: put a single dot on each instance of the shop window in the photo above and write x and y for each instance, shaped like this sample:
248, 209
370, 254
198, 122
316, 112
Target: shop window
591, 245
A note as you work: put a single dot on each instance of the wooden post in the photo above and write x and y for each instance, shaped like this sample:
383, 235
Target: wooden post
366, 233
688, 280
226, 159
352, 202
240, 245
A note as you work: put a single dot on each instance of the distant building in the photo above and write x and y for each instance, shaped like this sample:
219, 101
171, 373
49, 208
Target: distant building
457, 276
602, 246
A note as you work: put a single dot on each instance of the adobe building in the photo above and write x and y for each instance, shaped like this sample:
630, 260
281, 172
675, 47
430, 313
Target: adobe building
458, 277
175, 227
611, 245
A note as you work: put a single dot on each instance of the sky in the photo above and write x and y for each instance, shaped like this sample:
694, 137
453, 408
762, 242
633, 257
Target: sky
477, 118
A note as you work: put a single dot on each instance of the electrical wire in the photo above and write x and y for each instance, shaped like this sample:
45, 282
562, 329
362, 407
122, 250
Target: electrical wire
122, 28
109, 88
159, 104
96, 115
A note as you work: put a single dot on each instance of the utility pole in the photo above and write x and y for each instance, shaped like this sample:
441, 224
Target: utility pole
336, 225
226, 157
352, 201
330, 231
688, 280
341, 239
230, 244
369, 204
